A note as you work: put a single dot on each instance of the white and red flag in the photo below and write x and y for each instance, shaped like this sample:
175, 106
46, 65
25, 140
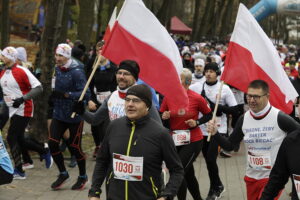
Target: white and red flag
250, 56
138, 35
110, 24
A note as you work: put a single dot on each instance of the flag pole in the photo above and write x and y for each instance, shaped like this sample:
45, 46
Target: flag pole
216, 107
95, 66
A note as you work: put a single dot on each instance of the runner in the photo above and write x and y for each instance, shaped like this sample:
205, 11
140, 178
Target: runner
187, 135
209, 90
263, 129
135, 147
19, 87
69, 83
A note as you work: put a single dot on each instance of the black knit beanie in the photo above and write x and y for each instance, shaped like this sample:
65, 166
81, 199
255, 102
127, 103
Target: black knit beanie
143, 92
131, 66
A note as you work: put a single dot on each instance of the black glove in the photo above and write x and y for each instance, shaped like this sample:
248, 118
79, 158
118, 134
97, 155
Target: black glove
17, 102
78, 107
212, 107
58, 94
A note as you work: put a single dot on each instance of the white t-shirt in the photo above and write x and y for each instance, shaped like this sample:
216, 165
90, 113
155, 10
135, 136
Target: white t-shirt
15, 83
211, 92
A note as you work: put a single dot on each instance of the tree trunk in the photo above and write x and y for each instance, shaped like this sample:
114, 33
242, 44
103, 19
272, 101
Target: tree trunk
196, 19
65, 20
226, 19
54, 12
85, 21
163, 12
5, 24
208, 14
99, 18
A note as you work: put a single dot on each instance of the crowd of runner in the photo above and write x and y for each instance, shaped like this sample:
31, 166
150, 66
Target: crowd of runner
137, 137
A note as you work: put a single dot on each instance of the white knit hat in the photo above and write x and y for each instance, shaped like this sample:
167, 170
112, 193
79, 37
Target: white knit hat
199, 61
10, 53
64, 50
22, 55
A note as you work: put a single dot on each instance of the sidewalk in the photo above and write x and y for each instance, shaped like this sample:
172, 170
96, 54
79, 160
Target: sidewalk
39, 179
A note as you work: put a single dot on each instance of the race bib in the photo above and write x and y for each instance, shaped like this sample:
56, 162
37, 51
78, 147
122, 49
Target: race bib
8, 99
128, 168
296, 179
259, 161
181, 137
101, 96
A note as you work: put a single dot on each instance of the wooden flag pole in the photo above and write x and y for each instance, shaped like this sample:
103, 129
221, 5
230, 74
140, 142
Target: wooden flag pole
95, 66
216, 107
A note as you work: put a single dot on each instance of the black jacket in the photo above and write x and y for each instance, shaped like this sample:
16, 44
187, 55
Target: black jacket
287, 163
151, 141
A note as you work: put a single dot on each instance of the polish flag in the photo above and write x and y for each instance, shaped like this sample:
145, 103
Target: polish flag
110, 25
250, 56
138, 35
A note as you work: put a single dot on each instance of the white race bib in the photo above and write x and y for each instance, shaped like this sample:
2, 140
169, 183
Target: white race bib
181, 137
101, 96
259, 161
128, 168
296, 179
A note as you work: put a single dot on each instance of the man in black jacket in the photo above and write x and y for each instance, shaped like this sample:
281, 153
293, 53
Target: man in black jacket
133, 150
287, 165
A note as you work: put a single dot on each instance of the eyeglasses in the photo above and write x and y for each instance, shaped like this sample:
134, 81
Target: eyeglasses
123, 73
255, 97
134, 100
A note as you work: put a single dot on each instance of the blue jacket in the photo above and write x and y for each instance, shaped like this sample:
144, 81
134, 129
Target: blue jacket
72, 82
5, 161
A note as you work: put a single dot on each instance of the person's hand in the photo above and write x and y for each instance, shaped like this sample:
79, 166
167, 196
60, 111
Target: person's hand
92, 106
212, 127
162, 198
78, 107
17, 102
94, 198
166, 115
191, 123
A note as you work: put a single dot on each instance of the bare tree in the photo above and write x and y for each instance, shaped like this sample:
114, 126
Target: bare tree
86, 21
5, 23
53, 22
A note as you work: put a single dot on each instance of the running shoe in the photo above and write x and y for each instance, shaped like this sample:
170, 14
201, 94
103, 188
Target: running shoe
225, 154
62, 178
219, 191
19, 175
211, 195
81, 182
48, 159
27, 166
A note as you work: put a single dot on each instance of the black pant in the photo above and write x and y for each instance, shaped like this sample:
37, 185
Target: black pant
6, 177
17, 142
57, 129
33, 143
210, 153
188, 154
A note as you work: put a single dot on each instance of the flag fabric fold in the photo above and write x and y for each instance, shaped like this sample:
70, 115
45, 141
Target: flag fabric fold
138, 35
250, 56
110, 25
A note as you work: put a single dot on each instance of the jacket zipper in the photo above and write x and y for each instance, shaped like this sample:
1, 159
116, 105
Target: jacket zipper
154, 188
109, 177
127, 154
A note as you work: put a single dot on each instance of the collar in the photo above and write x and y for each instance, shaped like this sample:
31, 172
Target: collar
198, 76
139, 121
211, 84
261, 114
10, 67
66, 67
122, 93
